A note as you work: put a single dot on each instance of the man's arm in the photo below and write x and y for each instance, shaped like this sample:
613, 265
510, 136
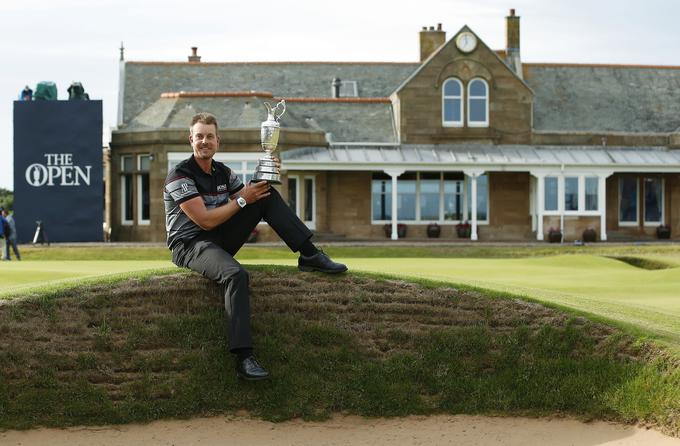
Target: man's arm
208, 219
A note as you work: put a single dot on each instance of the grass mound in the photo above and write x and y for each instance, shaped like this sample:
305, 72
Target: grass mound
644, 263
154, 347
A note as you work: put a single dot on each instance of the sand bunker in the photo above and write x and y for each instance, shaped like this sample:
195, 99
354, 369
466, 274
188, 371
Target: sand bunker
348, 430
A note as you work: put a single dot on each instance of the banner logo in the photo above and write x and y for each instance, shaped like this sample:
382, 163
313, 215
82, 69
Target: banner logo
59, 170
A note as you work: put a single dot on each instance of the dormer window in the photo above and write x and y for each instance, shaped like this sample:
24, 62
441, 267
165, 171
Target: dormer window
478, 103
452, 103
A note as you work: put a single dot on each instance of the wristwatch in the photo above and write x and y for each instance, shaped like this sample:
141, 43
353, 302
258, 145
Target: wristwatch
241, 201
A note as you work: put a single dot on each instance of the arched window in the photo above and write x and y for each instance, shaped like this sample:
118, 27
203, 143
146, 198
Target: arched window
478, 103
452, 103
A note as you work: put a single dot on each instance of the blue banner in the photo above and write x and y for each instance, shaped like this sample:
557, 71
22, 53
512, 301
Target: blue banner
58, 175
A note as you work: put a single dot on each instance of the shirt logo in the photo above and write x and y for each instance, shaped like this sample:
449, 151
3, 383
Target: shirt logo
221, 188
185, 188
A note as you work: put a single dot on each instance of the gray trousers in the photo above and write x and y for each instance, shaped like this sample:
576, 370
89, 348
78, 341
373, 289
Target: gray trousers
211, 254
11, 241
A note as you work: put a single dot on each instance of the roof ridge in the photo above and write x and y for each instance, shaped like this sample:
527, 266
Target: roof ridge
142, 62
596, 65
216, 94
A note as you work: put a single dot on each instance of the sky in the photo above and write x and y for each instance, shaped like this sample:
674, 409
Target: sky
78, 40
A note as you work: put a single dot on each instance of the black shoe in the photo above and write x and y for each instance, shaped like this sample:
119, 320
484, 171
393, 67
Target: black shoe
320, 262
250, 370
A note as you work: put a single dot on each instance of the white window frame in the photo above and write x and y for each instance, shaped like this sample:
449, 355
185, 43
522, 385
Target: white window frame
484, 123
311, 224
297, 193
618, 203
440, 221
582, 197
561, 177
348, 89
123, 174
488, 206
663, 203
141, 221
446, 123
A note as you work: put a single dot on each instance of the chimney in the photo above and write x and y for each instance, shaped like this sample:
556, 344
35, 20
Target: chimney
430, 40
194, 55
512, 43
335, 87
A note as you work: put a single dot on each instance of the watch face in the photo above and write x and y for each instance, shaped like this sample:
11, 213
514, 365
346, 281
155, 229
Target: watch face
241, 201
466, 42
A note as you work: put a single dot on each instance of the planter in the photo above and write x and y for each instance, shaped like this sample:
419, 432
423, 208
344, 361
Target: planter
463, 230
252, 238
589, 235
663, 232
554, 236
433, 230
401, 230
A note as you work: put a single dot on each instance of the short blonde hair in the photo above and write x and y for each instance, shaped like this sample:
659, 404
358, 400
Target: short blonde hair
204, 118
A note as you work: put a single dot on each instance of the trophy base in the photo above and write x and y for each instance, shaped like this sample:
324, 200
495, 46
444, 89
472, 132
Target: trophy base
272, 178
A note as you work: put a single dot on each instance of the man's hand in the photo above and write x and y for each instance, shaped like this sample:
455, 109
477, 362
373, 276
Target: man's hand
255, 191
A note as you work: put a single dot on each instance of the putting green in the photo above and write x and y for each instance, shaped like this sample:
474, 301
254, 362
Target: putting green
17, 276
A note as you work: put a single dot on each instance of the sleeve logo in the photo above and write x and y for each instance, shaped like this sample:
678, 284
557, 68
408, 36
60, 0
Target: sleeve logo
185, 188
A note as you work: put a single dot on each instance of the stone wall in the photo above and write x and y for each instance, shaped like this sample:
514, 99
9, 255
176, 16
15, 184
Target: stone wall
420, 108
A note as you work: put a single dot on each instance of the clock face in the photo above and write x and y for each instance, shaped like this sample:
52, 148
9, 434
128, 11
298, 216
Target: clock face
466, 42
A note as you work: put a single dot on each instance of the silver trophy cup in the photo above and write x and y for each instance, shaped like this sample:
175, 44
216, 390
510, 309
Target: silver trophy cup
269, 134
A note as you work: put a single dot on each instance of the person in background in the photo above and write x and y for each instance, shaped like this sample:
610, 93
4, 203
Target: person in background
10, 233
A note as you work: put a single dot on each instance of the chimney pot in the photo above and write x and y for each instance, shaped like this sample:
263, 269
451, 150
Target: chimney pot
512, 12
430, 40
194, 55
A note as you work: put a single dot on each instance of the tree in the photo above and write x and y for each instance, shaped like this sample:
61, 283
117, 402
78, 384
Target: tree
6, 199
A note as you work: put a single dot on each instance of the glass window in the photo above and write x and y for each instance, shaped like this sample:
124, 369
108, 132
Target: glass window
453, 197
381, 193
309, 199
429, 195
143, 193
292, 193
571, 194
144, 197
478, 103
482, 197
127, 197
653, 200
127, 163
628, 200
144, 162
592, 184
452, 108
550, 193
406, 197
126, 167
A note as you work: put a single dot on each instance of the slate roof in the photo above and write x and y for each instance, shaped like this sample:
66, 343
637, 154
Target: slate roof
568, 98
145, 81
604, 98
341, 121
368, 156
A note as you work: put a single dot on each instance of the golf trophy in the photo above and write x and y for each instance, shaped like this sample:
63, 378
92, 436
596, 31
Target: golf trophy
266, 168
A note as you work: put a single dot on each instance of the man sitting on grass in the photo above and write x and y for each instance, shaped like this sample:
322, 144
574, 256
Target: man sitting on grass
209, 214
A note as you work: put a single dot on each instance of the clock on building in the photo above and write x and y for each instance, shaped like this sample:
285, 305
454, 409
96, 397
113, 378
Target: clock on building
466, 42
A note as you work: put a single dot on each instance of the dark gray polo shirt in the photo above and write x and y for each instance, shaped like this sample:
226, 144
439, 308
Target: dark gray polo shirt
186, 181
